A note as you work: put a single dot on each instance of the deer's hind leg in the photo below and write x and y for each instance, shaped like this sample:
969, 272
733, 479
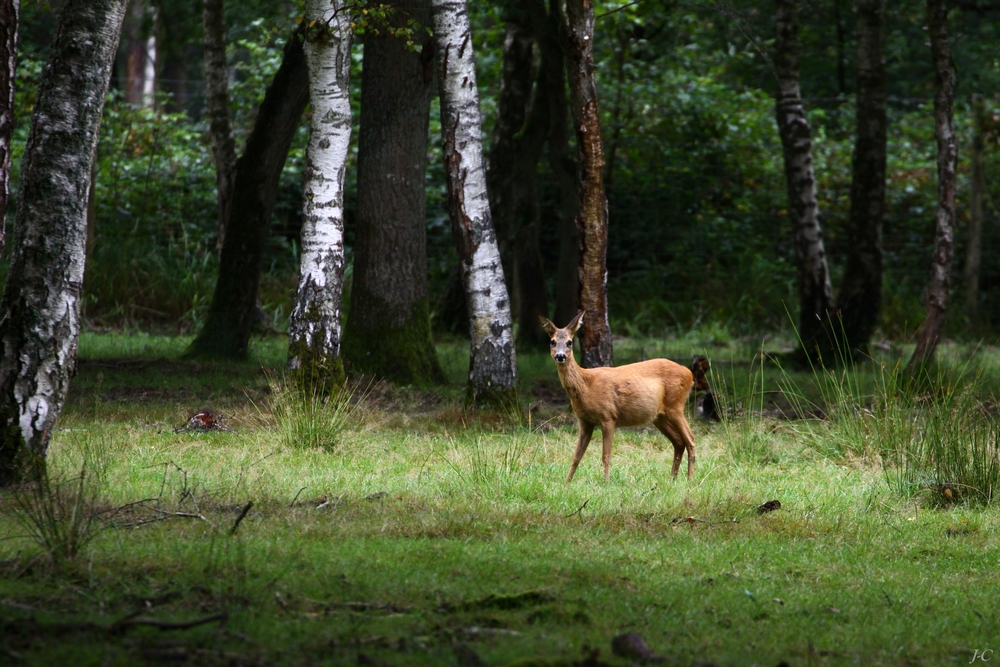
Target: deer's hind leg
679, 433
586, 432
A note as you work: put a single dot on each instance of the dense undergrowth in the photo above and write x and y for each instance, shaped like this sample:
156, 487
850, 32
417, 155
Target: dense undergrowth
418, 533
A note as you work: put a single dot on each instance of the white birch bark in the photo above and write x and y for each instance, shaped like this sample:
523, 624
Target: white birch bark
492, 363
149, 70
40, 311
314, 329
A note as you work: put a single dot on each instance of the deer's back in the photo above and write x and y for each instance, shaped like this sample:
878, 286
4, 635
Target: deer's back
633, 394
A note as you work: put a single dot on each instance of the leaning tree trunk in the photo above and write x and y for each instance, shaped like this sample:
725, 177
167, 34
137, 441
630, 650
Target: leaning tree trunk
40, 311
520, 131
9, 18
217, 106
977, 186
314, 326
860, 297
936, 296
388, 331
595, 334
815, 292
226, 333
492, 361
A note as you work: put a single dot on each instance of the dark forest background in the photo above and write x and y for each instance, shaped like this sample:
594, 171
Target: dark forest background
699, 232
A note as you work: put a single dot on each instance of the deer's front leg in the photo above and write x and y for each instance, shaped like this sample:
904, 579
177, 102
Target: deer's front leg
586, 431
607, 435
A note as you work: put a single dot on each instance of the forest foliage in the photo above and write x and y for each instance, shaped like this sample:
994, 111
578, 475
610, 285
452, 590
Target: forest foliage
699, 236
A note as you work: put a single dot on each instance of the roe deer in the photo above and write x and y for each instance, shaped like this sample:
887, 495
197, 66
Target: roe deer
632, 395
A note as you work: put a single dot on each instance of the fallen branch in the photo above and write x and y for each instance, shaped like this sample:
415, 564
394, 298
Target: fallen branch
693, 520
292, 504
236, 524
17, 605
184, 515
183, 654
135, 621
579, 509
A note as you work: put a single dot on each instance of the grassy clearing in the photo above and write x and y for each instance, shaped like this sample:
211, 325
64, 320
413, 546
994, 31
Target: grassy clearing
418, 532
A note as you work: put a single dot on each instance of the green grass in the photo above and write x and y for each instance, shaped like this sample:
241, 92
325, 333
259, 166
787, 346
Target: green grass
426, 527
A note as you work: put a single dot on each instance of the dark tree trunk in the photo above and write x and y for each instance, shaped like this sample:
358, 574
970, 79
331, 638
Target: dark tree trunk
513, 105
40, 311
519, 137
174, 21
621, 111
388, 325
936, 296
548, 29
9, 18
227, 329
815, 292
217, 106
977, 187
860, 297
592, 219
838, 20
492, 360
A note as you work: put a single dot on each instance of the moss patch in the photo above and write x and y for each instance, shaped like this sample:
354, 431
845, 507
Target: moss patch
403, 354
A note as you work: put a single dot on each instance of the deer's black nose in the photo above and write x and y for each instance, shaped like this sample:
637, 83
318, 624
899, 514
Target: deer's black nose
560, 358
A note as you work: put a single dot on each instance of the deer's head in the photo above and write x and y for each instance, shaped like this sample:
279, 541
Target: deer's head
561, 340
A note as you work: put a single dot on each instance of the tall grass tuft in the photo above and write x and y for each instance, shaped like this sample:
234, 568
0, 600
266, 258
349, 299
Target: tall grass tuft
60, 515
931, 434
748, 432
946, 448
491, 467
309, 418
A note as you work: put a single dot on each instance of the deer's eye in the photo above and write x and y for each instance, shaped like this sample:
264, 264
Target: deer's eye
552, 343
570, 342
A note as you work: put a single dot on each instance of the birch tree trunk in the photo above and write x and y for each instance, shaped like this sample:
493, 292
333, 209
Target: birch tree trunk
977, 186
860, 296
592, 219
936, 295
492, 360
815, 292
230, 320
217, 106
10, 11
314, 326
40, 310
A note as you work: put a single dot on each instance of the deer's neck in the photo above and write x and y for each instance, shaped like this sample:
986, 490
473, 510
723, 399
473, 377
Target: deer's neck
571, 377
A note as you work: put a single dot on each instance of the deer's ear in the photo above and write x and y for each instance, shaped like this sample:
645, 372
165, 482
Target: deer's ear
575, 323
550, 328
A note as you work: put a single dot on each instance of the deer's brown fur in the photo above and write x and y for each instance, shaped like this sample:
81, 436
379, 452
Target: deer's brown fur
653, 391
